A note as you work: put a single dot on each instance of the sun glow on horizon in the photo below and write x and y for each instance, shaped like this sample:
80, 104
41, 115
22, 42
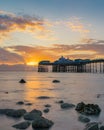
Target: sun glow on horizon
32, 63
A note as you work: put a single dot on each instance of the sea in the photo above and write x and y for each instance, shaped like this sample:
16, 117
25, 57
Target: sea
73, 88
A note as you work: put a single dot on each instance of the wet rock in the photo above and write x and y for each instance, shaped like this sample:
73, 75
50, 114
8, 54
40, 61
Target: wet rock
31, 116
4, 111
80, 106
46, 110
67, 105
22, 125
43, 97
20, 103
56, 81
15, 113
83, 119
34, 114
47, 105
61, 101
42, 123
100, 95
28, 104
88, 109
22, 81
36, 111
92, 126
6, 92
101, 127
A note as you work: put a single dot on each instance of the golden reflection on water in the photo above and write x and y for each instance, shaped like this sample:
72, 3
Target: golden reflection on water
38, 88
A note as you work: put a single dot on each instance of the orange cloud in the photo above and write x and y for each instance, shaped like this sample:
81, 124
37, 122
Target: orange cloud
11, 23
76, 25
7, 57
32, 55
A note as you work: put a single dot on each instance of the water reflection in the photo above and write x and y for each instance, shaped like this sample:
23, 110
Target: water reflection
38, 88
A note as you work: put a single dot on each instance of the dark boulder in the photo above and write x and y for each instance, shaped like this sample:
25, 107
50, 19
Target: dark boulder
37, 112
4, 111
22, 125
83, 119
28, 104
88, 109
61, 101
34, 114
6, 92
47, 105
80, 106
31, 116
66, 105
43, 97
92, 126
20, 103
42, 123
46, 110
22, 81
102, 127
56, 81
15, 113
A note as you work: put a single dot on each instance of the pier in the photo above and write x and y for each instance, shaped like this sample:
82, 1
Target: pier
77, 65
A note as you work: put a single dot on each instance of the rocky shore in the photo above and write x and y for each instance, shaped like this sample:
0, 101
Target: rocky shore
35, 117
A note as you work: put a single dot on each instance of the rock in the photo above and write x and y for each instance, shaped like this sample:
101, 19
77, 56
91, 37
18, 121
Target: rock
61, 101
28, 104
47, 105
42, 123
92, 126
100, 95
80, 107
46, 110
4, 111
22, 125
32, 115
20, 103
37, 112
6, 92
67, 105
88, 109
56, 81
83, 119
15, 113
43, 97
101, 127
22, 81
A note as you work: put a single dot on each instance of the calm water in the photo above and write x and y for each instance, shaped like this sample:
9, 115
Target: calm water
73, 88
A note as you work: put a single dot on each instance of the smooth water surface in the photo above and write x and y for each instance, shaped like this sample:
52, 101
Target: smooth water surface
73, 88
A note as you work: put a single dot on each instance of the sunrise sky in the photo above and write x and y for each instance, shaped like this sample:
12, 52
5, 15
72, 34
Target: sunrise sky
35, 30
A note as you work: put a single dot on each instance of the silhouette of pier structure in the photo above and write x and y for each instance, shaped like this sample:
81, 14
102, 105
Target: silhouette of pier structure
77, 65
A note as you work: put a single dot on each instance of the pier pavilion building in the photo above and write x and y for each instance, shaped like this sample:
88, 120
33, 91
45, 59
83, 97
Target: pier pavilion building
67, 65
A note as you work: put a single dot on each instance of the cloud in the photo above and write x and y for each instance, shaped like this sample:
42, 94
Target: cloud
7, 57
41, 29
33, 54
90, 41
38, 53
10, 22
76, 25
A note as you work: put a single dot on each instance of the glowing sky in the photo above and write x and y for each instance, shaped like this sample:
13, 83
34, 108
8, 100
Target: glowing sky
34, 30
